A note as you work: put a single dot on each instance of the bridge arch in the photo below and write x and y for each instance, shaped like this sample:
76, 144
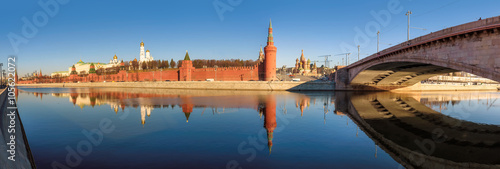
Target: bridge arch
473, 48
408, 71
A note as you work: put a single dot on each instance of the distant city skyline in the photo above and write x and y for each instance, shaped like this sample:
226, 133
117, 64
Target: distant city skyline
96, 31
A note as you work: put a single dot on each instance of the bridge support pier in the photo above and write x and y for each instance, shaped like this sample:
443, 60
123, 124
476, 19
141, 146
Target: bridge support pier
342, 79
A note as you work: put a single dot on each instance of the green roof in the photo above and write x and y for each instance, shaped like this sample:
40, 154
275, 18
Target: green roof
95, 63
187, 56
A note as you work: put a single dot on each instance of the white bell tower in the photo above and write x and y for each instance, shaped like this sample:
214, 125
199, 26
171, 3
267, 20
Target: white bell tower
142, 56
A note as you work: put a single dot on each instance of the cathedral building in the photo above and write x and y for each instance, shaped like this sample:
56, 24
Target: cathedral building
114, 60
303, 66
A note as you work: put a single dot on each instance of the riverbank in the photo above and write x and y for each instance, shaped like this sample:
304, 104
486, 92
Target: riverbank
204, 85
15, 151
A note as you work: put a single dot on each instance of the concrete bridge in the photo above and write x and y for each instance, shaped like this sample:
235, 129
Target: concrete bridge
472, 47
419, 137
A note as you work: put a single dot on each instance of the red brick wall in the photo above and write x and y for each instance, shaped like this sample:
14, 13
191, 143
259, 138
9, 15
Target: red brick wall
226, 74
221, 74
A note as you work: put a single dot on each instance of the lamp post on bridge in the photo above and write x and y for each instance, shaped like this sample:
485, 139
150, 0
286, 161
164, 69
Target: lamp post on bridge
378, 40
408, 14
358, 52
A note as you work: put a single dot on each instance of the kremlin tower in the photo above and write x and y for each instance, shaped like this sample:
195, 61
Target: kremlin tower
261, 54
186, 68
270, 57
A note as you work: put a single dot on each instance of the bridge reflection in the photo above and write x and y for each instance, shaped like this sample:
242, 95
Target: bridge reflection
419, 137
403, 125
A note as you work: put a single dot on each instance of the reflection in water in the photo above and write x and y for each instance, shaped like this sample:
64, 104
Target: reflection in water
408, 127
270, 119
263, 102
420, 137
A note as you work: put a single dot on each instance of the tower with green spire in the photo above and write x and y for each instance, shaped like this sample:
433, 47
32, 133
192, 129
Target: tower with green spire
92, 69
186, 57
186, 68
270, 56
73, 70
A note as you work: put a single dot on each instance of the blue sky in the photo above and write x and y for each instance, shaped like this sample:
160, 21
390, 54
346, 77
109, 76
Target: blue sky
96, 30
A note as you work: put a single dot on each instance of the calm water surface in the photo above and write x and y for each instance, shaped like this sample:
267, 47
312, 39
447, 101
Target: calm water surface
131, 128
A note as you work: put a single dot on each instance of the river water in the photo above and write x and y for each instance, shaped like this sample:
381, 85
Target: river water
158, 128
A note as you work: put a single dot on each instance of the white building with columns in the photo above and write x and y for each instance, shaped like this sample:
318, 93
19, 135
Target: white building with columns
85, 66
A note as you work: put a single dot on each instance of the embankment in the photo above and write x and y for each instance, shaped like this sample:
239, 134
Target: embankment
204, 85
13, 136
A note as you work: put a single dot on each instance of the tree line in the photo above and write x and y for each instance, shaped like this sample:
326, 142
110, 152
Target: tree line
200, 63
197, 63
165, 64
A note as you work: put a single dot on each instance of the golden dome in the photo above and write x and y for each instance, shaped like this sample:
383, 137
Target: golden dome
142, 43
135, 59
115, 57
147, 50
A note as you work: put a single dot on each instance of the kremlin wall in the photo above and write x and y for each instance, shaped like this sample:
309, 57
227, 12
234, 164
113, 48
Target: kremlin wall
265, 70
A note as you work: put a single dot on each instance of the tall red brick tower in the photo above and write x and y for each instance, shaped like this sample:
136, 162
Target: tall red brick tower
186, 68
270, 56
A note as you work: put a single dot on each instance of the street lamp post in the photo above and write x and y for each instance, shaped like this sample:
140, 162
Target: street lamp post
378, 40
358, 52
1, 78
4, 75
347, 58
408, 14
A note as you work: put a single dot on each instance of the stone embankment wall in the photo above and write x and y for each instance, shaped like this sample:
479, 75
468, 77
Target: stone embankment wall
204, 85
8, 124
